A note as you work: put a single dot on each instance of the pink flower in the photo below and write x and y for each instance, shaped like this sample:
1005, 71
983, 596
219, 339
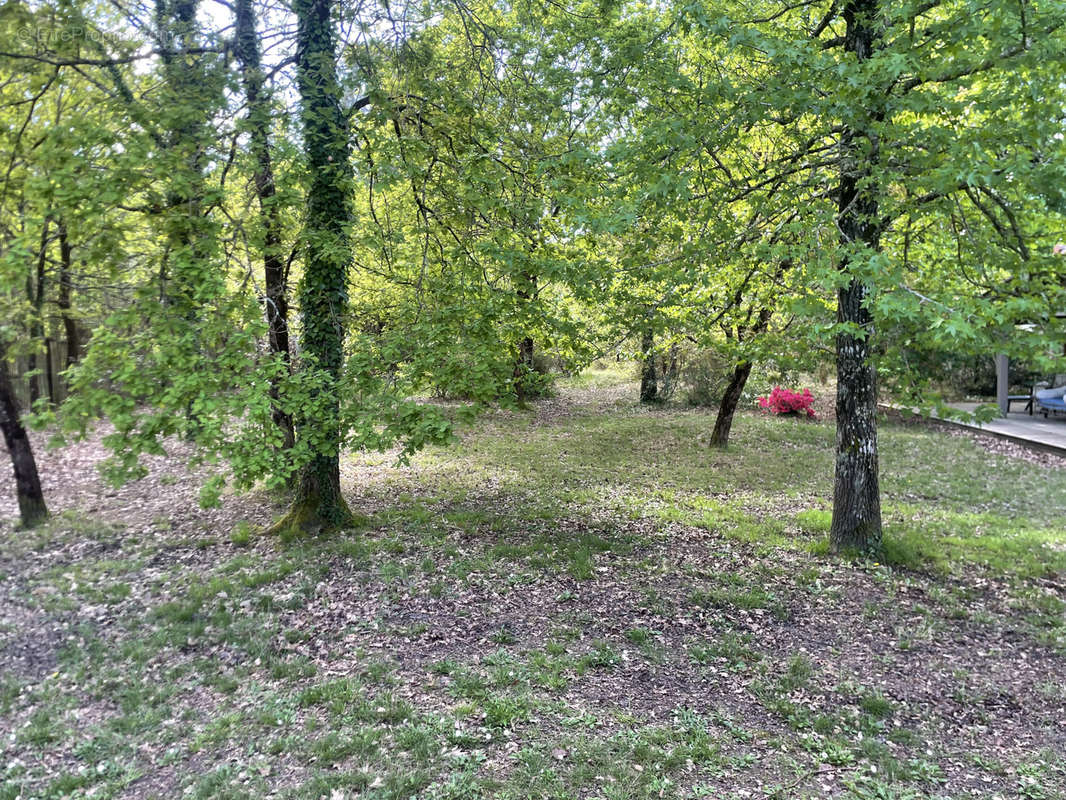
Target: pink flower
1059, 249
784, 401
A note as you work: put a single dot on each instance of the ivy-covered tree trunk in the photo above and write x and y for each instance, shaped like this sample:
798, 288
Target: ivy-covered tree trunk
856, 521
319, 503
649, 379
190, 275
276, 301
190, 98
668, 373
32, 509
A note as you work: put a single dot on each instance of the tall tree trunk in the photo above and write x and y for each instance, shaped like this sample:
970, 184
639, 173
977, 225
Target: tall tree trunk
32, 509
276, 301
35, 293
649, 381
66, 288
523, 368
856, 521
319, 503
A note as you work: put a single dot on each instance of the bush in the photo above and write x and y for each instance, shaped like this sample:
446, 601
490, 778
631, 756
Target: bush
705, 376
539, 382
786, 402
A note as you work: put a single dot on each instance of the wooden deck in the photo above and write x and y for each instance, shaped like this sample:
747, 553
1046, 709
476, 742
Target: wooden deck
1034, 431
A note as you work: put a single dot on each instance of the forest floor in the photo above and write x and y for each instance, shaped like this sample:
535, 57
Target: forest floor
576, 601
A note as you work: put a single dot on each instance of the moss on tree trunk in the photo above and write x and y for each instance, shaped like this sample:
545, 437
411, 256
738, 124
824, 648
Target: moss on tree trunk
318, 503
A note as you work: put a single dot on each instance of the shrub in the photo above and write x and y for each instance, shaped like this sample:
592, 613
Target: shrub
705, 376
784, 401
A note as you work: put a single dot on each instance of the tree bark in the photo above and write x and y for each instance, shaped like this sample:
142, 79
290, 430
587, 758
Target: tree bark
856, 524
66, 288
276, 301
186, 138
319, 503
523, 368
32, 508
35, 294
649, 381
723, 422
49, 370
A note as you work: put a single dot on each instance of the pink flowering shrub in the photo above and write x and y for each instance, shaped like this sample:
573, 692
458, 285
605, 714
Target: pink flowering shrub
784, 401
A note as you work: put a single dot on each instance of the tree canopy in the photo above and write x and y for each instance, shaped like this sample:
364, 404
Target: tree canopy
286, 231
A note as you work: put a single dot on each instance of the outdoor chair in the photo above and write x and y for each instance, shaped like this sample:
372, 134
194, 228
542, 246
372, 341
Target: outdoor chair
1028, 399
1051, 401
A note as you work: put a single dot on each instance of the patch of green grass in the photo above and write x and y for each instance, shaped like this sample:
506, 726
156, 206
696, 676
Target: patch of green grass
738, 593
504, 636
876, 705
600, 374
504, 711
241, 535
734, 650
335, 695
548, 551
10, 691
917, 537
639, 636
798, 672
43, 729
814, 521
725, 518
602, 656
337, 746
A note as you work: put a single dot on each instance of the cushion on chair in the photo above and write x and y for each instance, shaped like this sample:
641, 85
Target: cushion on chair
1051, 394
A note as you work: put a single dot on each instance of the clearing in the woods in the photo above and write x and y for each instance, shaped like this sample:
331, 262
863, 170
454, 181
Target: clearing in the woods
581, 600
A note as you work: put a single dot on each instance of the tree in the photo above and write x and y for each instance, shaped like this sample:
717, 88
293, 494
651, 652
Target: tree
32, 508
258, 121
319, 502
856, 492
880, 122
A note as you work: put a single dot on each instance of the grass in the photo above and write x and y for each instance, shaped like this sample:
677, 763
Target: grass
581, 600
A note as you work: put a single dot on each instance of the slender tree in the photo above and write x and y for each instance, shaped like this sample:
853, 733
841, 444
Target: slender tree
889, 130
727, 407
63, 301
36, 283
856, 494
276, 295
